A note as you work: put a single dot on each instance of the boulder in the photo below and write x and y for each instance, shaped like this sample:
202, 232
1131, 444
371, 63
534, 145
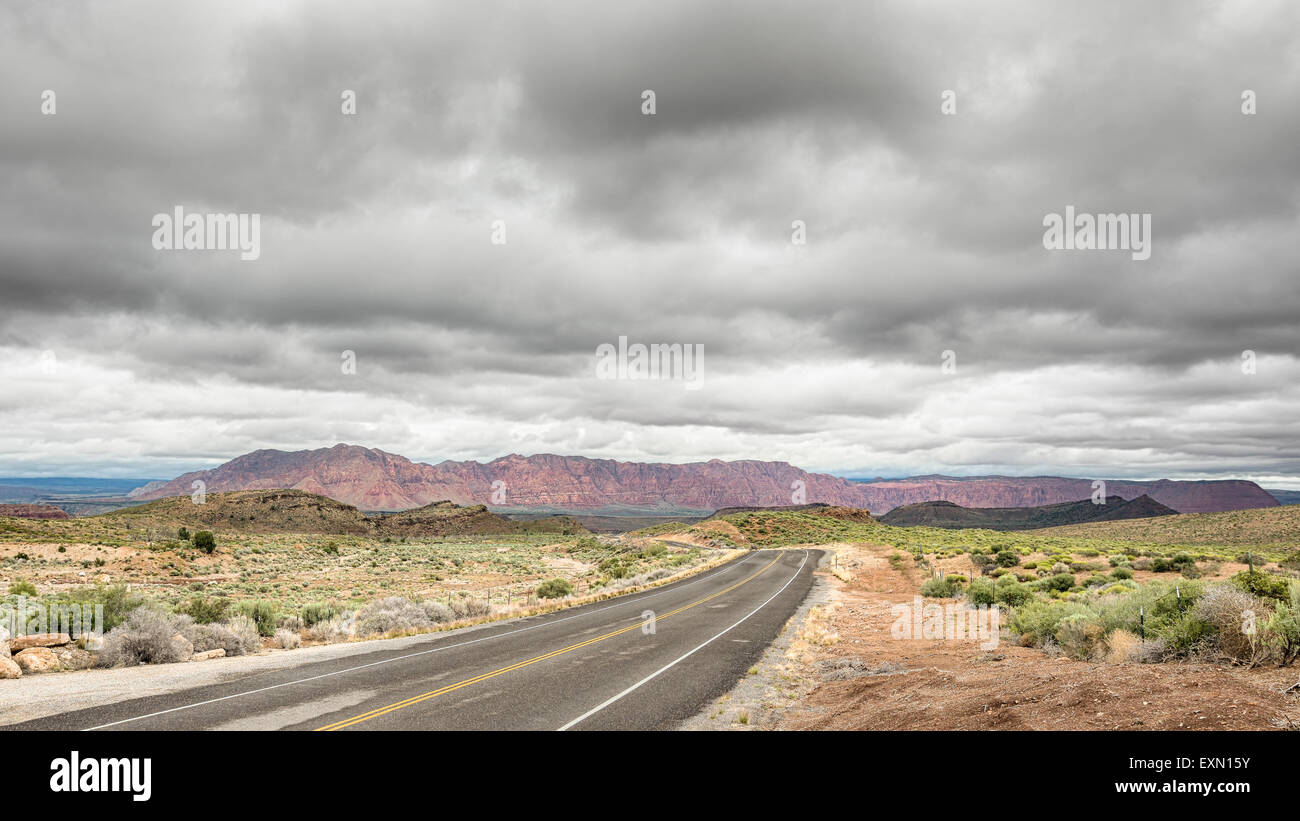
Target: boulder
9, 669
37, 660
209, 654
74, 658
184, 647
38, 640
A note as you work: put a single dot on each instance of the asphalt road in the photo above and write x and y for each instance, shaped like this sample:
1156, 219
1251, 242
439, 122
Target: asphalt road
596, 667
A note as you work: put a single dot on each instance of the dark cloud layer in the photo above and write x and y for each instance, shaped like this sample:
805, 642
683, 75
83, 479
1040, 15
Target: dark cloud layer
924, 233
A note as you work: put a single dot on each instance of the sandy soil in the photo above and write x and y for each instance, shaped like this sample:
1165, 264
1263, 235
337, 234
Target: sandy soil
838, 667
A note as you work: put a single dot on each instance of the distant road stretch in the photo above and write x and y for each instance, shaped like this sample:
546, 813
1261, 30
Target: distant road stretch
605, 666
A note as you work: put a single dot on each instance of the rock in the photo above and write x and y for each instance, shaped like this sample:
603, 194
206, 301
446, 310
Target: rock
37, 660
38, 640
72, 657
9, 669
209, 654
184, 647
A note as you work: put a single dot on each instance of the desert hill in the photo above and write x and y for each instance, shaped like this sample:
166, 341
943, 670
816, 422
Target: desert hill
947, 514
296, 511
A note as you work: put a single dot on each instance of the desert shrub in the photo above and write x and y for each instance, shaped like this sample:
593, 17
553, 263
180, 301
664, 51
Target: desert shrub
22, 587
1283, 629
393, 614
1096, 580
205, 541
1263, 585
330, 547
1182, 560
183, 534
214, 636
263, 615
287, 639
245, 630
1143, 563
647, 577
317, 612
940, 588
1227, 613
1079, 634
554, 589
1006, 558
334, 629
1040, 618
1121, 572
144, 637
467, 608
1118, 560
1161, 565
437, 612
1060, 567
1011, 592
1058, 581
116, 599
981, 591
205, 610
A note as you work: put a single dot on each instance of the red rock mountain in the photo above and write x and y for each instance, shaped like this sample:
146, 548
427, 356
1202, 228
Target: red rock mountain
374, 480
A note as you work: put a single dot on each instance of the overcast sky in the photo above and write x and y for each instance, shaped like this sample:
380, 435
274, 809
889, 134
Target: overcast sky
924, 233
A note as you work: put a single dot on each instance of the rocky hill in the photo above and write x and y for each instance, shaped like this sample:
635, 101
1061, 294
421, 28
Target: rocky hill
296, 511
947, 514
374, 480
33, 511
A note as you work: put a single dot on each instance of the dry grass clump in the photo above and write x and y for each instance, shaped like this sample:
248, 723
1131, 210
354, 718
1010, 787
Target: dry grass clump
817, 626
287, 639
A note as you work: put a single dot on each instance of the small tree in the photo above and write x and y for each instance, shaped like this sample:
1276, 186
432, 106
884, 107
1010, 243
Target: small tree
183, 534
205, 541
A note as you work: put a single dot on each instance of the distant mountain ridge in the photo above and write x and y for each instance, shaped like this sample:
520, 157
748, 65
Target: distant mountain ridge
949, 515
375, 480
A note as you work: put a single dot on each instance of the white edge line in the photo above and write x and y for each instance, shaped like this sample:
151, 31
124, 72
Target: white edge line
674, 662
627, 600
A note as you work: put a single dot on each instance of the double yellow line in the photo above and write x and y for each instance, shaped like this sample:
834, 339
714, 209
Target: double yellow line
348, 722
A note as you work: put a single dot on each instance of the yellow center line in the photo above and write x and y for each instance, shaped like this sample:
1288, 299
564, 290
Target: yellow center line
348, 722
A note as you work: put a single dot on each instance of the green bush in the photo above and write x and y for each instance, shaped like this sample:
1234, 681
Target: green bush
316, 613
1121, 573
205, 610
22, 587
981, 591
1264, 585
205, 541
1040, 618
944, 588
554, 589
1012, 593
1059, 581
183, 534
261, 612
117, 600
1007, 558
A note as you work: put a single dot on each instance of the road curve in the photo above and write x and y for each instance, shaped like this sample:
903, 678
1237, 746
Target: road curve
601, 666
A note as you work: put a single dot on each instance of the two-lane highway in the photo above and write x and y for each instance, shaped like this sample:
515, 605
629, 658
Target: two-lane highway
644, 661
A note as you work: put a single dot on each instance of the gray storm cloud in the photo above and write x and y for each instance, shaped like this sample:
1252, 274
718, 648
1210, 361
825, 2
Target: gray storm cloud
924, 233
